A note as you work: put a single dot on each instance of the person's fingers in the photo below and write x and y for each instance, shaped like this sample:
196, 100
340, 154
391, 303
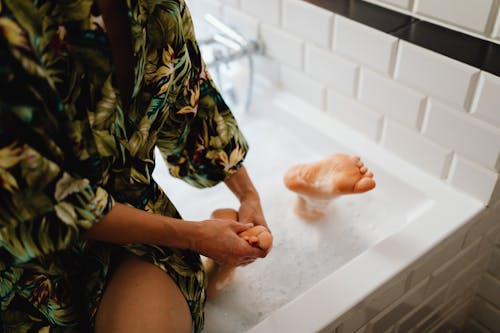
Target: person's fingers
256, 252
244, 219
254, 218
240, 227
253, 240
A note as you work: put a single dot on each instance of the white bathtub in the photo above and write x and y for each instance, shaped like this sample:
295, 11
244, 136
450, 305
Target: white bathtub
317, 272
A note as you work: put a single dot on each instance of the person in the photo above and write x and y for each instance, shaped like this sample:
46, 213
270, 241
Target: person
88, 240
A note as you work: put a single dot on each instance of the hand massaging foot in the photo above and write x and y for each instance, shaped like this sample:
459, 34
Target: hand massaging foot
219, 276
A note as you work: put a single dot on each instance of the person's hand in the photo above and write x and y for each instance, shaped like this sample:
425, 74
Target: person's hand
219, 240
250, 212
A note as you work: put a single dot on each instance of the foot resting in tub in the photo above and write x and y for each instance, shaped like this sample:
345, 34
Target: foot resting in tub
220, 276
319, 182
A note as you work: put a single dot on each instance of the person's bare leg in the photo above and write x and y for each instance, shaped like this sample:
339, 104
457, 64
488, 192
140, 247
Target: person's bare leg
142, 298
319, 182
219, 277
310, 209
258, 236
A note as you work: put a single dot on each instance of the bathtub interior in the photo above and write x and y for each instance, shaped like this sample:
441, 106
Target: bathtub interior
303, 253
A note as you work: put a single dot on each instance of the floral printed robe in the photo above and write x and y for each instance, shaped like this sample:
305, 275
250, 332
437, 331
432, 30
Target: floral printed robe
69, 150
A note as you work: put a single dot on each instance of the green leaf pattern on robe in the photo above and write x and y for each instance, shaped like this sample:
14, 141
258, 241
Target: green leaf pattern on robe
69, 150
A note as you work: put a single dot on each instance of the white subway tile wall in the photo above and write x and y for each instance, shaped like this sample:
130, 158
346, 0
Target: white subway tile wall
479, 18
430, 301
234, 3
382, 299
480, 228
436, 258
471, 177
489, 288
470, 275
334, 71
303, 86
283, 46
434, 74
198, 8
405, 305
404, 4
268, 11
494, 268
363, 44
473, 326
472, 15
307, 21
419, 150
453, 267
356, 115
496, 28
475, 139
486, 104
437, 113
487, 314
241, 22
406, 105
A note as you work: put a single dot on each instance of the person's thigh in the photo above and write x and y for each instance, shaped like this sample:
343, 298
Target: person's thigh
140, 297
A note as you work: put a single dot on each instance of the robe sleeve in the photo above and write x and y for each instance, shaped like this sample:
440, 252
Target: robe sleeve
208, 146
44, 204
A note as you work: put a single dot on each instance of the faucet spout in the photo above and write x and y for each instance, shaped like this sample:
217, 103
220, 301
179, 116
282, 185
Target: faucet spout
237, 47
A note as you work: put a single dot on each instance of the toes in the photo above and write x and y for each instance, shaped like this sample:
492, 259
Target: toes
364, 184
293, 179
369, 174
363, 169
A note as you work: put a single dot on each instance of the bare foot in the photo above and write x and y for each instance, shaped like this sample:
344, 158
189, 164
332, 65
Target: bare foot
220, 276
258, 236
318, 182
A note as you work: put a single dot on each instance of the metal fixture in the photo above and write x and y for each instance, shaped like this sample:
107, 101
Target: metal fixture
237, 47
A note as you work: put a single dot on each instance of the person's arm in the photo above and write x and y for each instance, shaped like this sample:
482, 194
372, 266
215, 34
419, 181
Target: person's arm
217, 239
210, 148
250, 207
200, 140
46, 206
123, 224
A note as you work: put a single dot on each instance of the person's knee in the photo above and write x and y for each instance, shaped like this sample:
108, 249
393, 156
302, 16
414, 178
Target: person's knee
141, 297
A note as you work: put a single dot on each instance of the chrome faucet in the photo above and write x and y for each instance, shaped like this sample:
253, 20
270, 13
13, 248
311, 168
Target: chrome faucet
237, 47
